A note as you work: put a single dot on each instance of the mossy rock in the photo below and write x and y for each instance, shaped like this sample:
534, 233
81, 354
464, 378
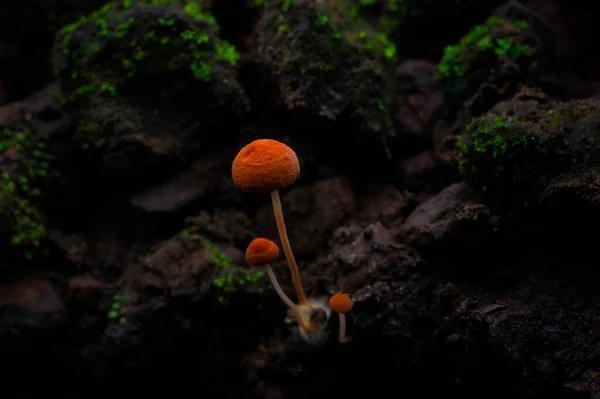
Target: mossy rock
327, 63
584, 143
510, 152
408, 21
499, 54
149, 82
23, 162
575, 192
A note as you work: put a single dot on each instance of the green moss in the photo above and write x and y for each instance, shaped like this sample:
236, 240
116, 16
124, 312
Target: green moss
394, 15
338, 24
158, 53
287, 4
231, 279
115, 24
116, 308
498, 152
485, 44
350, 34
340, 21
23, 162
227, 53
330, 62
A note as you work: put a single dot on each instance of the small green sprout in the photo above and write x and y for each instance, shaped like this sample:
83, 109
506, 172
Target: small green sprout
231, 278
116, 309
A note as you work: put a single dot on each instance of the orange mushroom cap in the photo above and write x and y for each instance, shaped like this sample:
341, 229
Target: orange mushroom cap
340, 303
261, 252
264, 166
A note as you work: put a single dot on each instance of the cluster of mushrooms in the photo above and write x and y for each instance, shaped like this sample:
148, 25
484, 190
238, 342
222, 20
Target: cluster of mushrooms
267, 166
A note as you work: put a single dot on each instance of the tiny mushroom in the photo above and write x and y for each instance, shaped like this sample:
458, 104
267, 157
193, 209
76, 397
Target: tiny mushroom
261, 253
267, 166
341, 304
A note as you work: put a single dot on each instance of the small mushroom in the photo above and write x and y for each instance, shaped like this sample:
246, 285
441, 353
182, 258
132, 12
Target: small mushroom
267, 166
261, 253
341, 304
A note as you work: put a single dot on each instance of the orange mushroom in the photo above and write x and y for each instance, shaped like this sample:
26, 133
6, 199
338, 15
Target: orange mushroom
267, 166
341, 304
261, 253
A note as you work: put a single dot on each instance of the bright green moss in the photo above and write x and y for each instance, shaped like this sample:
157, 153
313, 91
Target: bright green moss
496, 152
484, 46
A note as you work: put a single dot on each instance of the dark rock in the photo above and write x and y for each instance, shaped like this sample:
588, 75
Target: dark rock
200, 180
31, 304
448, 222
85, 290
312, 213
26, 32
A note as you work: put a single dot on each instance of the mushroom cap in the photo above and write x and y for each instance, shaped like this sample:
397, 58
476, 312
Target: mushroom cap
261, 252
264, 166
340, 303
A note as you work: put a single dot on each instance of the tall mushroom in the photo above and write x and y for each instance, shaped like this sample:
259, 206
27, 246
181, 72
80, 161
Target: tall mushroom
267, 166
261, 253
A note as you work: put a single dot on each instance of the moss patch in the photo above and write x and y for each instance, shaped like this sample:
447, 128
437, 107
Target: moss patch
510, 152
229, 279
22, 163
326, 61
486, 46
163, 55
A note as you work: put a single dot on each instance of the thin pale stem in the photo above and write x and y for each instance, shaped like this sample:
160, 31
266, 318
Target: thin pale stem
286, 299
342, 336
287, 249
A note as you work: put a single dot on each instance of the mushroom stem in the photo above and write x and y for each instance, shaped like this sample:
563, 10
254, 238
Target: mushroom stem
286, 299
342, 336
300, 319
287, 249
